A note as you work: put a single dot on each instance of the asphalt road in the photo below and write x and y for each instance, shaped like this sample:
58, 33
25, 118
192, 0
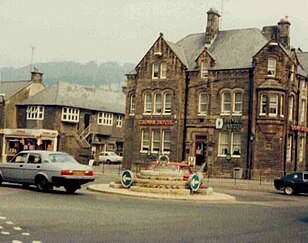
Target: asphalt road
29, 216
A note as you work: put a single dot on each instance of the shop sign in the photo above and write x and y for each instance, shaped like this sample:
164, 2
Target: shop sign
156, 122
299, 128
233, 123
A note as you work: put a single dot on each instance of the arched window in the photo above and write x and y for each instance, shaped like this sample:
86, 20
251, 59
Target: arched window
167, 103
203, 103
271, 67
157, 104
148, 103
237, 105
132, 104
226, 102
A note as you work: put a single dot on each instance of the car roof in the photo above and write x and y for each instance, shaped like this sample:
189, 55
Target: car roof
42, 152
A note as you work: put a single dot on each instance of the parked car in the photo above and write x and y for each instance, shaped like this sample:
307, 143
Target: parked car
109, 157
294, 183
46, 169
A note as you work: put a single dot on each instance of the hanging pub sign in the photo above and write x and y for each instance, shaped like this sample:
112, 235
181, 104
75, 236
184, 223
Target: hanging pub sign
233, 123
156, 122
299, 128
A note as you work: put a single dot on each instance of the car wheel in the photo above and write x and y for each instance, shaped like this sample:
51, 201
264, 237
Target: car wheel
288, 190
42, 184
71, 189
108, 162
1, 180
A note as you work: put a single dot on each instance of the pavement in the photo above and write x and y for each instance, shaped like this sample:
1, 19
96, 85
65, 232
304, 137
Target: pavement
217, 184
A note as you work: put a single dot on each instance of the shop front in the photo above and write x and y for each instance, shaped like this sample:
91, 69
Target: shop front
16, 140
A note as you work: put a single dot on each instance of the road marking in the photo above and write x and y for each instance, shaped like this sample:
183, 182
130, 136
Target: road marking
36, 241
16, 241
17, 228
1, 217
1, 227
5, 232
9, 222
24, 233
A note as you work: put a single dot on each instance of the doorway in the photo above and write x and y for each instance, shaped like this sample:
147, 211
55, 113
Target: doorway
200, 150
86, 120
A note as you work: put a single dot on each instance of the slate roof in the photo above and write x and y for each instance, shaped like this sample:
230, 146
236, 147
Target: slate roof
303, 59
79, 96
10, 88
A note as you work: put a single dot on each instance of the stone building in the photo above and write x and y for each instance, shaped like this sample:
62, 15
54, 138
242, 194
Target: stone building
88, 119
226, 99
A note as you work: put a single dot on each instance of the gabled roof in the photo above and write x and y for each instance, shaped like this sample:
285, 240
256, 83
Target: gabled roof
10, 88
303, 60
79, 96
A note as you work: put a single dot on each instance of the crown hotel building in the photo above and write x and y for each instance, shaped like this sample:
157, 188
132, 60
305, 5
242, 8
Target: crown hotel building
231, 98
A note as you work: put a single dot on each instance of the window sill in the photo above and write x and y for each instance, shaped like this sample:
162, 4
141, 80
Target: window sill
224, 156
202, 115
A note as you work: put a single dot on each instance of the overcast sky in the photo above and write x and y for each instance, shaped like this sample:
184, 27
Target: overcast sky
123, 30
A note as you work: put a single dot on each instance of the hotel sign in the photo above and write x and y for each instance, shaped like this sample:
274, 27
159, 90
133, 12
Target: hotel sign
299, 128
233, 123
156, 122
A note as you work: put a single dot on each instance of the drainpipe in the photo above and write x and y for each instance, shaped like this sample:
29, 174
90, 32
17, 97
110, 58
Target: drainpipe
296, 132
185, 114
250, 133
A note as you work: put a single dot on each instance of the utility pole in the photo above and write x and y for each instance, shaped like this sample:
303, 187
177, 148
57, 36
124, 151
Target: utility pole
32, 51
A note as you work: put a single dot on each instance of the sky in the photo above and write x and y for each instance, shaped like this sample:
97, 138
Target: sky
124, 30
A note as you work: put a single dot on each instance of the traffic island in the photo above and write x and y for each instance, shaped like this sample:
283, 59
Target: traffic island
163, 184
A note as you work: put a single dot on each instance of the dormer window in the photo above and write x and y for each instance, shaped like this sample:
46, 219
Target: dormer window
271, 67
35, 113
204, 69
155, 71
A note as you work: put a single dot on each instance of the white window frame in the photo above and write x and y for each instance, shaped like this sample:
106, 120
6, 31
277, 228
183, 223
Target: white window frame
273, 104
147, 104
301, 150
223, 146
289, 149
204, 69
163, 70
237, 144
35, 113
263, 103
291, 107
271, 67
105, 118
132, 106
145, 141
167, 103
155, 70
223, 102
292, 73
70, 114
282, 105
155, 141
234, 111
120, 120
166, 144
157, 104
202, 103
303, 113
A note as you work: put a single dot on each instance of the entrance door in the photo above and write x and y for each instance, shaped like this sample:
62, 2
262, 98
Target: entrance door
200, 150
86, 120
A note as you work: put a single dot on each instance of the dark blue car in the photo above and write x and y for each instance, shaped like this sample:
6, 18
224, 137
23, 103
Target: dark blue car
294, 183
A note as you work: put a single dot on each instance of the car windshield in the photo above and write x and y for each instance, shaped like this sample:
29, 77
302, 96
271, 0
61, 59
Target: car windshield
61, 158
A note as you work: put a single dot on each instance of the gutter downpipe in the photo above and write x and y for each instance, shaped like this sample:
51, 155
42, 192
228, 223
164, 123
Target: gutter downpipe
185, 114
296, 132
250, 133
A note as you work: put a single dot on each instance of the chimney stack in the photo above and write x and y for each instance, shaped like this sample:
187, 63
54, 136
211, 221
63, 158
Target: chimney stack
36, 76
212, 26
284, 32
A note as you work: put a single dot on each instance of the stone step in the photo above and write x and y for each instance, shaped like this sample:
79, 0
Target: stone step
115, 185
153, 183
158, 175
203, 191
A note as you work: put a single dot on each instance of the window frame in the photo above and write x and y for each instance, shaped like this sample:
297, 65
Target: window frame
234, 112
164, 142
165, 110
105, 118
291, 108
155, 70
158, 105
120, 119
201, 103
223, 103
155, 141
148, 104
70, 114
35, 113
303, 113
271, 67
132, 104
144, 141
163, 70
270, 103
204, 69
289, 148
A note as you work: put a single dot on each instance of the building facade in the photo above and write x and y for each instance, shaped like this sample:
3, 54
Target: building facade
223, 99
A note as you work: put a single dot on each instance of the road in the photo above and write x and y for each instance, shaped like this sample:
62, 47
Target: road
29, 216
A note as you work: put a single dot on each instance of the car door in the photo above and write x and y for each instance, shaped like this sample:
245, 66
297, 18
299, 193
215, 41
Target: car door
305, 179
31, 167
12, 170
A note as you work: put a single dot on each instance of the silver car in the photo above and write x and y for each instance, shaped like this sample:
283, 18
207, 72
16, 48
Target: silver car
46, 169
110, 157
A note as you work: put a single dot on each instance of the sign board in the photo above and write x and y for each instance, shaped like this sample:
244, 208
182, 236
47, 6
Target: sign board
219, 123
194, 182
192, 160
127, 178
